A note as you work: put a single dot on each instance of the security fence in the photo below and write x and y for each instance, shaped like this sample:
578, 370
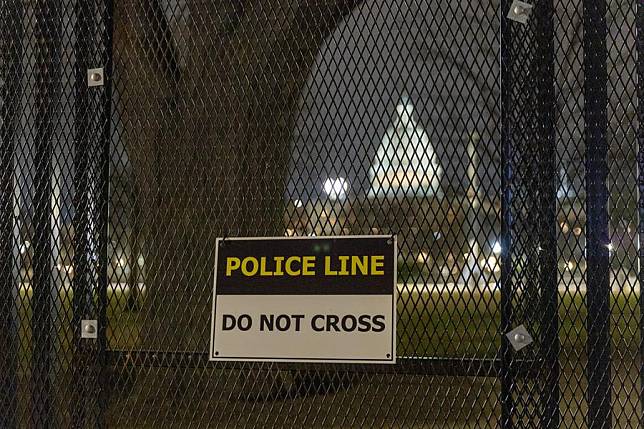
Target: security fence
500, 141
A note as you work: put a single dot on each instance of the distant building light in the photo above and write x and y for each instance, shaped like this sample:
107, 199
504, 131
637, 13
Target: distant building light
298, 203
67, 268
423, 257
336, 188
491, 264
495, 264
24, 246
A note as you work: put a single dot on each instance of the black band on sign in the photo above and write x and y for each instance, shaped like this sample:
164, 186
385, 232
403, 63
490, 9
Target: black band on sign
336, 266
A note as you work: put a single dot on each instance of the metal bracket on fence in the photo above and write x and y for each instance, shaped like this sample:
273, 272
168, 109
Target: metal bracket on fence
519, 337
89, 329
95, 77
520, 11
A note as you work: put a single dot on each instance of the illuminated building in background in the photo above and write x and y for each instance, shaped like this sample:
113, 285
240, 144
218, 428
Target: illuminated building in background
405, 163
565, 190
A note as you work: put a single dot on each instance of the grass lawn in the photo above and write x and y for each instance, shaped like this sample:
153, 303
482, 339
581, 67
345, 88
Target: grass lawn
446, 322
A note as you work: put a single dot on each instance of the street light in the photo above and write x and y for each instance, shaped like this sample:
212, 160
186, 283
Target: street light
336, 188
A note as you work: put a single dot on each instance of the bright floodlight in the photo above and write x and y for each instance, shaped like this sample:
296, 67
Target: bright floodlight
336, 188
496, 249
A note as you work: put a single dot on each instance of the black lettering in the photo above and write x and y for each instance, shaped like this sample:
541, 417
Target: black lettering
266, 322
229, 322
298, 318
349, 323
364, 322
285, 318
314, 326
378, 323
244, 322
332, 322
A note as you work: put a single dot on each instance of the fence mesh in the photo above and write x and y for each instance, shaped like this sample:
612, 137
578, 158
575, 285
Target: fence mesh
504, 156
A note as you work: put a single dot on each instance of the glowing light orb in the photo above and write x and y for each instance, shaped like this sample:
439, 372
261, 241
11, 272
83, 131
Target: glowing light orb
336, 188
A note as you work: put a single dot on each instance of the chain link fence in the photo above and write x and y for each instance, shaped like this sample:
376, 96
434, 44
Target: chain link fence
499, 140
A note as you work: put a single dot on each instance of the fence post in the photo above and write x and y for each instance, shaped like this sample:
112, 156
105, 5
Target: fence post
81, 286
46, 75
547, 159
597, 238
507, 379
103, 206
639, 22
11, 19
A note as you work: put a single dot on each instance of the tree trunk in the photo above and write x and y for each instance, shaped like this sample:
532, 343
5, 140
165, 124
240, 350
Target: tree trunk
207, 128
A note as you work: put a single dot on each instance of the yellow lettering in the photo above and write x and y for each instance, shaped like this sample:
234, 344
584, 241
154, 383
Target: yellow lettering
327, 267
359, 263
377, 265
308, 266
262, 268
288, 264
278, 266
343, 265
232, 264
244, 266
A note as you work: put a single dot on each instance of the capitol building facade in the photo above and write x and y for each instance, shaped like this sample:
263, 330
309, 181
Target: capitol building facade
439, 230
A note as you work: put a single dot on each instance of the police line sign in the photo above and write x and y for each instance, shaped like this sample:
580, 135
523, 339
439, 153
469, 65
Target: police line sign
305, 299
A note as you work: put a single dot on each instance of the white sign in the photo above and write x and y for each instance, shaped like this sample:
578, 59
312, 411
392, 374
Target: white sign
305, 299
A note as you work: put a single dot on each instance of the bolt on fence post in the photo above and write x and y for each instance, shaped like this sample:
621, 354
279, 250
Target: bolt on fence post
11, 18
597, 238
547, 158
505, 372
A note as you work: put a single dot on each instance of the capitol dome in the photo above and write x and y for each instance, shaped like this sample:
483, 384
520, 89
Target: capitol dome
405, 163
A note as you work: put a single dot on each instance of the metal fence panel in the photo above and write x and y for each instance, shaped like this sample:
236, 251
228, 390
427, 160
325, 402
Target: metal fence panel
499, 140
